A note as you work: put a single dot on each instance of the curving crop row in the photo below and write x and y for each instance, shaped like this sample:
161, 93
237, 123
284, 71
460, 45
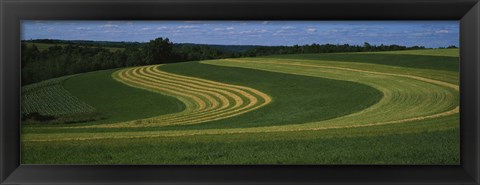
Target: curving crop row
205, 100
406, 98
50, 98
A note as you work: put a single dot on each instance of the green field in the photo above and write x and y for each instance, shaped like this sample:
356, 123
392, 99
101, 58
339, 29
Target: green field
395, 107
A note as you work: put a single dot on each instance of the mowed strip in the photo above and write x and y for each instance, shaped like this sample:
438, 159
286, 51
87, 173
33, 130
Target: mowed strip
205, 100
407, 99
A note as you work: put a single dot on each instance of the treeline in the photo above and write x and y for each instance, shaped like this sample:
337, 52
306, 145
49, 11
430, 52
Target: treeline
111, 44
124, 44
325, 48
72, 57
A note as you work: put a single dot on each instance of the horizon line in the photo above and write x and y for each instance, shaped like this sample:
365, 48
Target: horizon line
142, 42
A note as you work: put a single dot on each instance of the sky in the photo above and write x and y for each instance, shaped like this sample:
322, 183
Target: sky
430, 34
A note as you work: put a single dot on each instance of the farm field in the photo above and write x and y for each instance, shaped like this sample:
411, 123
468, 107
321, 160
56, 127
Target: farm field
394, 107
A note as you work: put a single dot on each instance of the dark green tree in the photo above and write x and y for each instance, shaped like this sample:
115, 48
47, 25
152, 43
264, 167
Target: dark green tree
133, 57
367, 46
158, 51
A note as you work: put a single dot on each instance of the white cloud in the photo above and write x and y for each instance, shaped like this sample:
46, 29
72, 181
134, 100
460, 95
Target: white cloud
286, 32
84, 28
262, 31
186, 27
145, 29
253, 31
224, 29
311, 30
287, 27
161, 28
442, 31
421, 34
110, 25
265, 22
114, 31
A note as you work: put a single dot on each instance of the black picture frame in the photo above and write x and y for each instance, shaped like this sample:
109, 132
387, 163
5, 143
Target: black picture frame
13, 11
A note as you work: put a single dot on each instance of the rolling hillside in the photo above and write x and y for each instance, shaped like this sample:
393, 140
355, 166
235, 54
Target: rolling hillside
395, 107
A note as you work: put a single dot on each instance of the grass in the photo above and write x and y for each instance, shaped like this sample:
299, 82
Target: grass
403, 113
427, 52
327, 98
430, 59
411, 96
92, 98
440, 147
205, 100
50, 98
117, 101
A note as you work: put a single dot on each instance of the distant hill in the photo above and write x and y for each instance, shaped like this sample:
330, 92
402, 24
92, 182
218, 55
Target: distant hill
110, 44
225, 48
123, 44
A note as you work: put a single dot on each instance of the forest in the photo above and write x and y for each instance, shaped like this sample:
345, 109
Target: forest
62, 58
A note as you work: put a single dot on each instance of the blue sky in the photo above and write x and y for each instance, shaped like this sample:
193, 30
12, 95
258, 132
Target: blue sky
408, 33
